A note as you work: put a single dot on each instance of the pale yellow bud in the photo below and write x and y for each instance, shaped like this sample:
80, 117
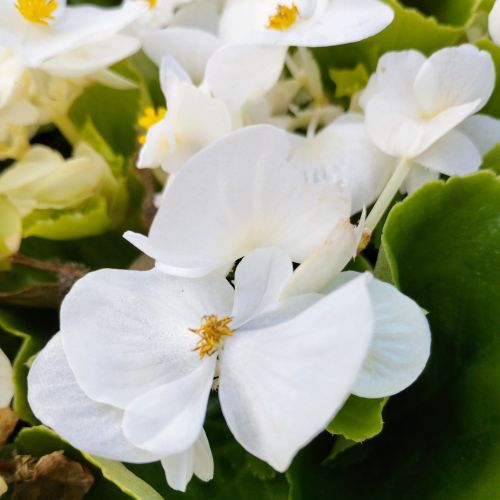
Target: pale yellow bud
11, 230
43, 179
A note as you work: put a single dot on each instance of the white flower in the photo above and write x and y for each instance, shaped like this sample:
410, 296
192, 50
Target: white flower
344, 152
303, 23
239, 194
6, 380
194, 119
39, 30
147, 346
418, 109
57, 398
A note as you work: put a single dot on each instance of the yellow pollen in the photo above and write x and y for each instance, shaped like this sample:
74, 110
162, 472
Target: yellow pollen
284, 18
150, 118
212, 332
152, 3
37, 11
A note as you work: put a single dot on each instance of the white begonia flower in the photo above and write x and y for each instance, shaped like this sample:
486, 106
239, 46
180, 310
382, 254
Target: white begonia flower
344, 152
58, 400
6, 380
417, 110
148, 346
39, 30
303, 23
242, 193
494, 22
193, 120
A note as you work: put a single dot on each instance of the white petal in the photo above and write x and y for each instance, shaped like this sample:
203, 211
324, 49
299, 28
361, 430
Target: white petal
445, 79
168, 420
401, 342
400, 134
92, 57
280, 386
344, 151
494, 23
191, 48
127, 332
58, 401
417, 177
454, 154
77, 26
198, 459
240, 194
6, 380
237, 74
335, 23
160, 143
484, 131
396, 73
258, 283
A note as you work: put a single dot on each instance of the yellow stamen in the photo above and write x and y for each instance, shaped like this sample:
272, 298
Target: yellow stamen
284, 18
37, 11
212, 332
150, 118
152, 3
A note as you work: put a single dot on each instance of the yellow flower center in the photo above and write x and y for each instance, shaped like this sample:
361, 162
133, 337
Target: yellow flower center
284, 18
150, 118
152, 3
212, 332
37, 11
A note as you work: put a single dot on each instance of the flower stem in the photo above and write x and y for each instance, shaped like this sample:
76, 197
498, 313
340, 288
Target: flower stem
390, 190
67, 129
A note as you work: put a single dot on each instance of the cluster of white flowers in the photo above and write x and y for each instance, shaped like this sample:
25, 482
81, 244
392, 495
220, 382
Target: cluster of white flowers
264, 173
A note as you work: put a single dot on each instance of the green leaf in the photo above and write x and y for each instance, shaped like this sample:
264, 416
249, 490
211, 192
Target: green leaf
112, 479
443, 246
491, 160
349, 81
90, 219
452, 12
114, 114
409, 30
359, 419
34, 330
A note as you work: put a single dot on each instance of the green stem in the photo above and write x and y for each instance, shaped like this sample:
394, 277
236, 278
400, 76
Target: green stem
67, 129
390, 190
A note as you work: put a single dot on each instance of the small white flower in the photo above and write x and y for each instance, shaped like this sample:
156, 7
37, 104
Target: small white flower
39, 30
194, 119
242, 193
418, 109
6, 380
303, 23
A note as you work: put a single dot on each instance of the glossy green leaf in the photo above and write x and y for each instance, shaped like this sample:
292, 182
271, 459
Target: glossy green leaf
349, 81
452, 12
112, 479
359, 419
442, 245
